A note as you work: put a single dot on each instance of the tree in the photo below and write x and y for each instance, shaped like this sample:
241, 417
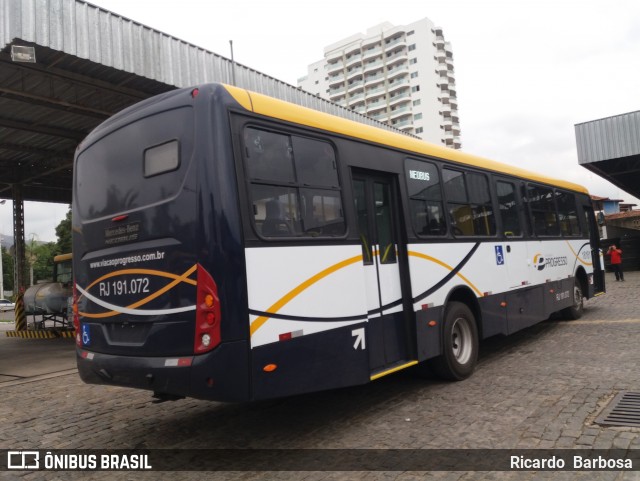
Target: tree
63, 232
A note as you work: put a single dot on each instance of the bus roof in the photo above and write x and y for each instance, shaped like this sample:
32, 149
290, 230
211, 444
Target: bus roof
279, 109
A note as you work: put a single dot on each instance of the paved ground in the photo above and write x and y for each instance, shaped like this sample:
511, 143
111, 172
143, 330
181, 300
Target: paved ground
541, 388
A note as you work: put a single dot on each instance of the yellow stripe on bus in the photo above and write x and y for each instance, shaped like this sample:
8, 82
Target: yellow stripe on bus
446, 266
177, 280
259, 321
577, 256
279, 109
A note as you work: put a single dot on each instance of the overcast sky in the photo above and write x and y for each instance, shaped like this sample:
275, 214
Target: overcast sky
526, 71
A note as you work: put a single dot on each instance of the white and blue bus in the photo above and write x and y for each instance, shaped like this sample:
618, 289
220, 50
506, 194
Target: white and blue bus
231, 246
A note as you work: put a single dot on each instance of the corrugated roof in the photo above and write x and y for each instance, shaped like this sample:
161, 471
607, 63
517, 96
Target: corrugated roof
90, 64
609, 138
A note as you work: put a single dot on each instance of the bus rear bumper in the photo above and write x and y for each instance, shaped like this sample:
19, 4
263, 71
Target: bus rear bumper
221, 375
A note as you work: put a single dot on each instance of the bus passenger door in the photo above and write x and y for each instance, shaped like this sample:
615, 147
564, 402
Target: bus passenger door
376, 207
594, 241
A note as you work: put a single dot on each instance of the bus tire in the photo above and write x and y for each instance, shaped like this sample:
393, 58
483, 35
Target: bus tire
460, 344
575, 311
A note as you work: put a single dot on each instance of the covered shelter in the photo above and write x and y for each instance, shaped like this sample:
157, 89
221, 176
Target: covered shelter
68, 65
610, 148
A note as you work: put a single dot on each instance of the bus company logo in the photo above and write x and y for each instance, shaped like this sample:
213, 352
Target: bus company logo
540, 261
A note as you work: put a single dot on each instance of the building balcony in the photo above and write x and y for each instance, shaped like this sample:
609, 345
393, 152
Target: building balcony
400, 41
440, 42
372, 94
356, 101
369, 54
398, 72
398, 85
354, 74
372, 67
377, 108
400, 112
402, 97
381, 116
442, 67
355, 87
336, 81
354, 60
447, 122
337, 91
371, 81
408, 122
333, 68
396, 59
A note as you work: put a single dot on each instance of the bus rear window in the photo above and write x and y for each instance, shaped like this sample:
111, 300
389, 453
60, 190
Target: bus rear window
140, 164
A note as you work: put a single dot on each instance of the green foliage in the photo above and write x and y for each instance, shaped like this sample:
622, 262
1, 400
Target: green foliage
42, 257
63, 232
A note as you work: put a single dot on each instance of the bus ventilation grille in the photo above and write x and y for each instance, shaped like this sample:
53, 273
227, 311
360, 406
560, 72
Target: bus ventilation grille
624, 410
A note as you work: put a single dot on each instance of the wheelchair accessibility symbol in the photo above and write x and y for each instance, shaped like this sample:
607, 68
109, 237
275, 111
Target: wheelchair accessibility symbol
499, 256
86, 338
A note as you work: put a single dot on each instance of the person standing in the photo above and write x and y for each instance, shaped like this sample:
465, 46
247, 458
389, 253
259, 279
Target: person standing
616, 261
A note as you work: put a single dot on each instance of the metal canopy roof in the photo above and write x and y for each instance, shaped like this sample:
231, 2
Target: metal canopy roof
91, 63
610, 148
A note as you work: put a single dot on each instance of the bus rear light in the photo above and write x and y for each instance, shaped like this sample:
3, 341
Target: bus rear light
76, 316
270, 367
207, 333
432, 324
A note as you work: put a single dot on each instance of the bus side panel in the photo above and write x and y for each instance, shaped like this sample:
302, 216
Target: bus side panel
325, 360
223, 374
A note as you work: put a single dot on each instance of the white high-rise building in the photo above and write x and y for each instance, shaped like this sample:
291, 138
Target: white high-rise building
400, 75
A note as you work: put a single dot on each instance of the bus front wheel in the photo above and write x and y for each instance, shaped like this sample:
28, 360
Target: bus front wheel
460, 344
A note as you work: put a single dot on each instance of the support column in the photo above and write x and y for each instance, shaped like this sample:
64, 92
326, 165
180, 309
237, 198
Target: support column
19, 270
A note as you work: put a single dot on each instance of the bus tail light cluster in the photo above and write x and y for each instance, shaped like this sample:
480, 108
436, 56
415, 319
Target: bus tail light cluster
208, 319
76, 316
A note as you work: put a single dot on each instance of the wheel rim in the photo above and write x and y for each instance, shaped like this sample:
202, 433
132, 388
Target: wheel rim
461, 340
577, 297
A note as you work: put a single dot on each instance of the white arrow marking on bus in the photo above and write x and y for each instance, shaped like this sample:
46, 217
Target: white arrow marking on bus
359, 335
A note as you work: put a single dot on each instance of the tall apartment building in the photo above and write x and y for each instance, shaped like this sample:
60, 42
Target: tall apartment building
400, 75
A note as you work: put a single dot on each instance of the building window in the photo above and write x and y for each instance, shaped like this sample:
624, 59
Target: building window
412, 47
413, 61
417, 117
414, 75
416, 88
410, 33
419, 130
417, 102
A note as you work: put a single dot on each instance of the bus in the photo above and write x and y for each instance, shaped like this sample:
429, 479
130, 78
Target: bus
231, 246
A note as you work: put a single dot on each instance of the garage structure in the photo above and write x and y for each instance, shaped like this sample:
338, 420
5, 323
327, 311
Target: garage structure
610, 148
68, 65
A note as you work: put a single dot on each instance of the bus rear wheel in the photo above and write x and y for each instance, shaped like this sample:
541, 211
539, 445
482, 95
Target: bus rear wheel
575, 312
460, 344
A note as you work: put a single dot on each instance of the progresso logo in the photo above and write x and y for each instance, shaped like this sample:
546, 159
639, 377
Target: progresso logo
541, 262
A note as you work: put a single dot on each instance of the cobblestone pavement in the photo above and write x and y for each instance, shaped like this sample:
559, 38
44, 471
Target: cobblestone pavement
540, 388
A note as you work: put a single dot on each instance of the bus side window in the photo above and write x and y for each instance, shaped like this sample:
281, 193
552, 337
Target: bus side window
568, 214
543, 210
469, 203
425, 198
509, 212
294, 186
